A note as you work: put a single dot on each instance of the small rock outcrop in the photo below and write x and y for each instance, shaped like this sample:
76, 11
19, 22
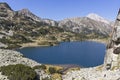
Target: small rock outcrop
112, 58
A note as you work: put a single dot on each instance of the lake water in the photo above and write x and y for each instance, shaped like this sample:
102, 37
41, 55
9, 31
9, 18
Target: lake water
86, 53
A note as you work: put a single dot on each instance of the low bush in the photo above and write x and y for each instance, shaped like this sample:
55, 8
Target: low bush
52, 70
18, 72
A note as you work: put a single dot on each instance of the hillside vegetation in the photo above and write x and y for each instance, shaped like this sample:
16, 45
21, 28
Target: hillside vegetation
23, 28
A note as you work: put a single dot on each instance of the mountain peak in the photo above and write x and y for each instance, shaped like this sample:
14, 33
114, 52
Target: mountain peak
98, 18
4, 6
93, 14
26, 12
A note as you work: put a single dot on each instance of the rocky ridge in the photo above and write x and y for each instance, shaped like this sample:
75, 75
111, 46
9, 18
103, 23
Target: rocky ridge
23, 26
27, 13
87, 25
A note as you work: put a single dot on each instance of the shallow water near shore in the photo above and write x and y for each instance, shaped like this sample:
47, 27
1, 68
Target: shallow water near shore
86, 53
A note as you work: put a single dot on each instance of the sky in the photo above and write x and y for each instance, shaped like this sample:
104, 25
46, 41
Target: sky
61, 9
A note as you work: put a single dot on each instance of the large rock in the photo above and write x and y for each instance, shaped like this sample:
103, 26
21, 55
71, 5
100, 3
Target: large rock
112, 58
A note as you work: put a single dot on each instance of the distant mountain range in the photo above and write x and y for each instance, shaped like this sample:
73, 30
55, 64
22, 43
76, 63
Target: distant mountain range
24, 26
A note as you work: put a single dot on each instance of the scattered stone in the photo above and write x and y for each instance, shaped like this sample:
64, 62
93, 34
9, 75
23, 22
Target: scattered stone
117, 50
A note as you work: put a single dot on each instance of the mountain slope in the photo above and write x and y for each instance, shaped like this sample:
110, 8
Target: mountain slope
86, 26
17, 27
27, 13
22, 27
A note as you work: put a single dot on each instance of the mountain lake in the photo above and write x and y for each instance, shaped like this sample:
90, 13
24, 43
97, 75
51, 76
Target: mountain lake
85, 53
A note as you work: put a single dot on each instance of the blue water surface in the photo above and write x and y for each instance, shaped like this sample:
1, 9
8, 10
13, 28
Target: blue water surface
86, 53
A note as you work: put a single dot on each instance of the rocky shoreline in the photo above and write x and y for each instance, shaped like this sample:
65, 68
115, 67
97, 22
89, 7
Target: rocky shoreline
8, 57
35, 44
103, 41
